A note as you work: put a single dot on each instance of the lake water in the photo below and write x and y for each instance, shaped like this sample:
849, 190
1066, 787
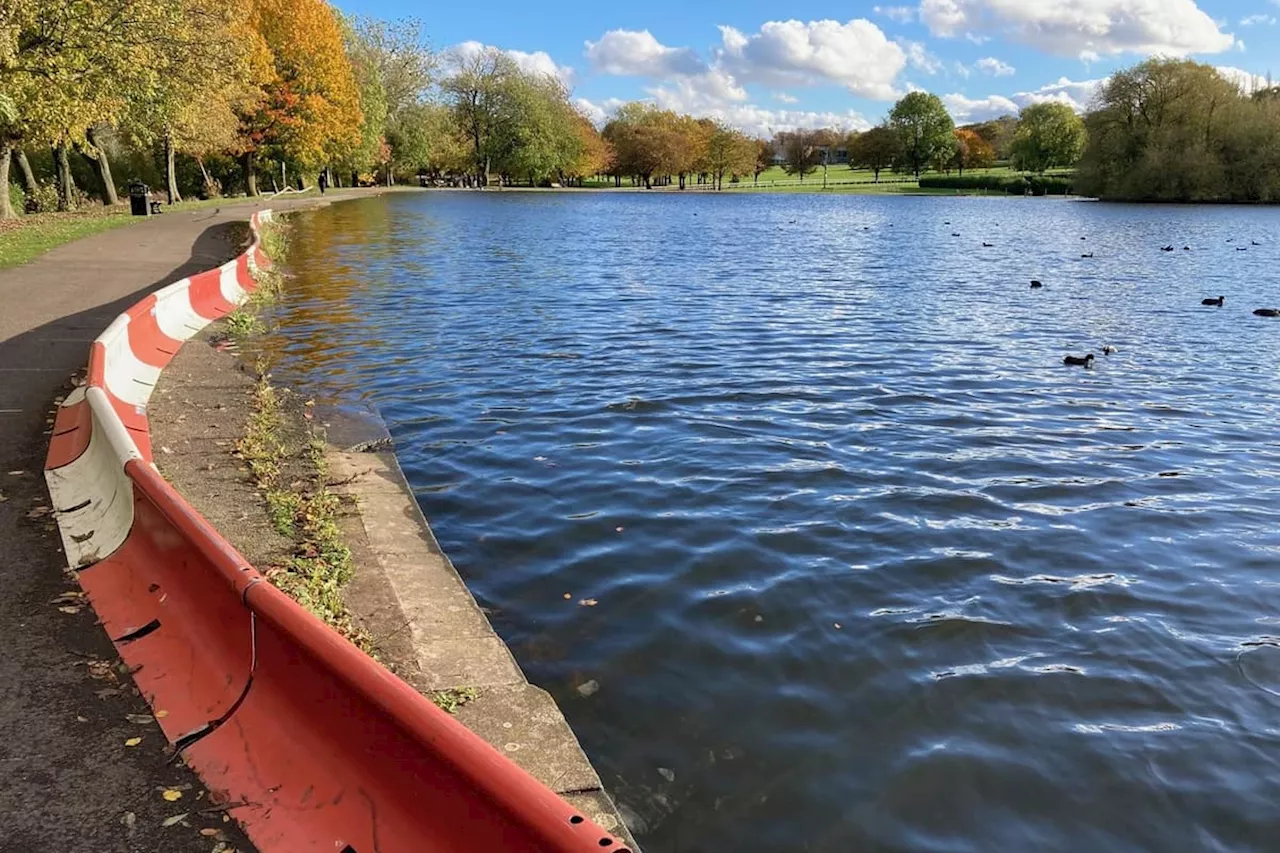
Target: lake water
872, 570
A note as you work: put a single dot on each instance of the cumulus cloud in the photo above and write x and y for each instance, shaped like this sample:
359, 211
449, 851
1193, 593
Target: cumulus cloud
855, 54
636, 53
1075, 94
1247, 81
995, 67
1083, 28
764, 123
538, 62
785, 98
1258, 20
599, 113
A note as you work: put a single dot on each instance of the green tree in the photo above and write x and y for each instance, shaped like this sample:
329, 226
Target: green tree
876, 149
484, 99
729, 152
1049, 136
764, 159
924, 130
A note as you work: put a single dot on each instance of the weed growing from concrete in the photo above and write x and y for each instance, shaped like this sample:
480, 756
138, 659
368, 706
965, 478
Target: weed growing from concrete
454, 698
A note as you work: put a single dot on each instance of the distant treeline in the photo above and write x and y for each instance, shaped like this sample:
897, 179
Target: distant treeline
1174, 130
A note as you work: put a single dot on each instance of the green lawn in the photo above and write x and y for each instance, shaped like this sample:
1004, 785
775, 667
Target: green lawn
29, 236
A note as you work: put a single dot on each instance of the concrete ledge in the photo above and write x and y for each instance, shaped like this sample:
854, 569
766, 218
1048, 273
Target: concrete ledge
446, 641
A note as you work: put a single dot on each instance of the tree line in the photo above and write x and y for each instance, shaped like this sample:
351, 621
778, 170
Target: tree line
213, 96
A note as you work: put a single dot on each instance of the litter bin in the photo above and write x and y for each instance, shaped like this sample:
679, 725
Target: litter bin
138, 199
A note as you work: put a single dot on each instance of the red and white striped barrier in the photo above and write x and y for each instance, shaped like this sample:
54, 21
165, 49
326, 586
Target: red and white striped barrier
314, 745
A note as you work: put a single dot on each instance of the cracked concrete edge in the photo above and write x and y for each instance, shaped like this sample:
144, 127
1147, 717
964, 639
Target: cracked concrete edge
448, 639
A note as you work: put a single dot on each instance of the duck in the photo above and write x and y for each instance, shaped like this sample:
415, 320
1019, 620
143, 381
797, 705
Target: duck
1036, 285
1089, 255
1166, 248
1241, 249
1254, 243
1186, 248
1267, 312
1078, 361
955, 233
988, 245
1109, 350
1220, 301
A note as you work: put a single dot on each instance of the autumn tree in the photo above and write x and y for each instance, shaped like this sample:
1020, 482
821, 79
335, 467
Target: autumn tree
998, 133
729, 152
799, 151
924, 130
1049, 136
875, 149
482, 94
764, 159
310, 110
972, 151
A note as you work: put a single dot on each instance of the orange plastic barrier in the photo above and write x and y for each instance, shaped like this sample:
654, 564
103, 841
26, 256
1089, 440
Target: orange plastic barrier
312, 744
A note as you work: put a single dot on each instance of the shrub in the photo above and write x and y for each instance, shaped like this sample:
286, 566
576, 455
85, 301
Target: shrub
1011, 184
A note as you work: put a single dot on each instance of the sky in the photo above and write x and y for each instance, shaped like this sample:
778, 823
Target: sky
769, 66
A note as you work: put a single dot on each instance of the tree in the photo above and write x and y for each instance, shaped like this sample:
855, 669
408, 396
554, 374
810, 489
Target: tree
1049, 136
729, 152
972, 151
482, 96
800, 152
310, 110
764, 159
924, 130
876, 149
998, 133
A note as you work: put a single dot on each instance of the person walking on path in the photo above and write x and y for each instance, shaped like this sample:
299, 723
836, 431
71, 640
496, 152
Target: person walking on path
323, 181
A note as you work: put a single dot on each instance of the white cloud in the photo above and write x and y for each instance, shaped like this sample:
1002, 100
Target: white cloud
919, 57
962, 70
901, 14
1075, 94
855, 54
538, 62
1247, 81
1255, 20
785, 98
1084, 27
636, 53
995, 67
597, 114
967, 110
764, 123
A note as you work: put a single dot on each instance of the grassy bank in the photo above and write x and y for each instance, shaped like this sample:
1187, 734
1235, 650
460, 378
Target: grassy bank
33, 234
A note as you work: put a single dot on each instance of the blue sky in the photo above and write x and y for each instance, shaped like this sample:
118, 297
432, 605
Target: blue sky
834, 63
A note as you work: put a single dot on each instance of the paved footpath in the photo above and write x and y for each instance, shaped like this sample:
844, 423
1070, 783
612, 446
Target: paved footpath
68, 782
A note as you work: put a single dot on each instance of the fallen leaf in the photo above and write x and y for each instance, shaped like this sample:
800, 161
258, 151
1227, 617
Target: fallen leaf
2, 498
17, 473
589, 688
172, 796
588, 602
39, 512
165, 450
133, 741
178, 818
568, 596
128, 819
140, 719
69, 609
619, 529
209, 832
80, 719
160, 715
837, 626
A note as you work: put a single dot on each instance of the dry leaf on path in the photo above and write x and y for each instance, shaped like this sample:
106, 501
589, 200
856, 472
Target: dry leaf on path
133, 741
178, 818
172, 795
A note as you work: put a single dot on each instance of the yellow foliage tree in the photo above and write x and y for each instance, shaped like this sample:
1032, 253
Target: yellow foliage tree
310, 109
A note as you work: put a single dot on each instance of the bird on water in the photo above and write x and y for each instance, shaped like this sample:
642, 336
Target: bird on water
1035, 285
1220, 301
1109, 350
1267, 312
1078, 361
1090, 255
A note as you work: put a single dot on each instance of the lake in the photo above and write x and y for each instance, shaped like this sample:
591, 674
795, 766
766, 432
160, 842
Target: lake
802, 484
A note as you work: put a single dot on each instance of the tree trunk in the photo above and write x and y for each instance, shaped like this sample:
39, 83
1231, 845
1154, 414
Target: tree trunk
250, 173
170, 173
98, 159
66, 185
6, 209
28, 176
355, 178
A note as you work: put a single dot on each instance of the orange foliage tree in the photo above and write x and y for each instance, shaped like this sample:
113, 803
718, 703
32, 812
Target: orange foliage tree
972, 151
309, 114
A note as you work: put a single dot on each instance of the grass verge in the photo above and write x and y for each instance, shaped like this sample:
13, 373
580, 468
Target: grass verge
286, 461
32, 235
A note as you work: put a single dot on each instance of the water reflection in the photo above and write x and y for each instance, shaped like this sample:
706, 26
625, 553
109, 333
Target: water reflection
872, 570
